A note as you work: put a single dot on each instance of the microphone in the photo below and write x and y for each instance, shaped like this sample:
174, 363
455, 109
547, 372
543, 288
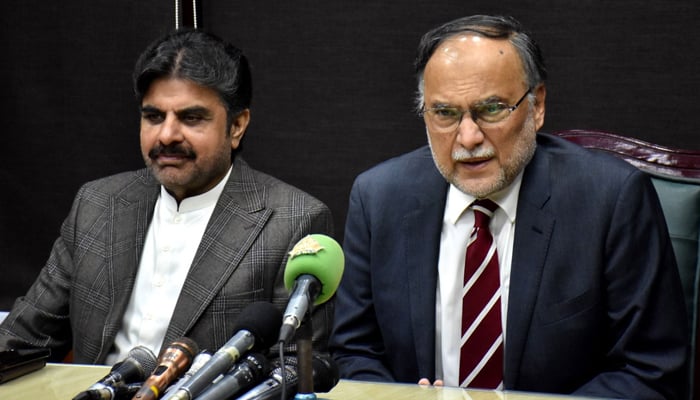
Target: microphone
256, 329
118, 392
138, 364
173, 362
313, 272
325, 377
199, 360
240, 377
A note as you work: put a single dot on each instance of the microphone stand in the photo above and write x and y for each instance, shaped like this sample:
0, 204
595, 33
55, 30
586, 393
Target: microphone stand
305, 386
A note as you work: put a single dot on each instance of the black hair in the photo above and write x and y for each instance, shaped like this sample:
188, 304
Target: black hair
202, 58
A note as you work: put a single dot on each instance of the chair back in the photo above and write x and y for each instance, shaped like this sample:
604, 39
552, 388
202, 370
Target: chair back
675, 174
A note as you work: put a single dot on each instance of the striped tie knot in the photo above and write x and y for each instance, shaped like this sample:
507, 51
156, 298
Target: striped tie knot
483, 211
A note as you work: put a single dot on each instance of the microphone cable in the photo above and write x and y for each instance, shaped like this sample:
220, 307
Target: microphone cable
284, 368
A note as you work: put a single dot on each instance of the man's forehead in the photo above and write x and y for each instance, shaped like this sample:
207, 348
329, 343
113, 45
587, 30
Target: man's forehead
467, 44
468, 56
179, 94
178, 110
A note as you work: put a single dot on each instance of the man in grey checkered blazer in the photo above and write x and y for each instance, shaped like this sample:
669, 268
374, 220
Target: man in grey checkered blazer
194, 91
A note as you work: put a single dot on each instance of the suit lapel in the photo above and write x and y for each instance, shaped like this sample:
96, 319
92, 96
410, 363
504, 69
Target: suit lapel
420, 230
131, 213
533, 230
237, 220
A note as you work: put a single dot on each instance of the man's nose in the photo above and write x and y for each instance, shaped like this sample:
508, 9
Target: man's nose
171, 130
469, 134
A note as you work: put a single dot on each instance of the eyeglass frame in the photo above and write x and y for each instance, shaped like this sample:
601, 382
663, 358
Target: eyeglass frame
471, 114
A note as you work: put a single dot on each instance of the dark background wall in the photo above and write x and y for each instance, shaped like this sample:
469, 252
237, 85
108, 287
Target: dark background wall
333, 90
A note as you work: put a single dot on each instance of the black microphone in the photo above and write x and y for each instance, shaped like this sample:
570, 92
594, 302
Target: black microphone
118, 392
248, 372
325, 377
257, 326
312, 274
172, 363
138, 364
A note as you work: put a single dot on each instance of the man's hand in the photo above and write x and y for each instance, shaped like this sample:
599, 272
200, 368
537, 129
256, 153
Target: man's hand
426, 382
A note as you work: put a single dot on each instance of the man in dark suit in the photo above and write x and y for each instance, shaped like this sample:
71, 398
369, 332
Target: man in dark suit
587, 294
180, 248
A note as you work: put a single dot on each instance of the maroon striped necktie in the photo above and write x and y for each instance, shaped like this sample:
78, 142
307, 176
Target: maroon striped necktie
481, 355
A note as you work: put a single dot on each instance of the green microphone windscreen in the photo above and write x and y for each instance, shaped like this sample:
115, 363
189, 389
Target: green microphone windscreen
320, 256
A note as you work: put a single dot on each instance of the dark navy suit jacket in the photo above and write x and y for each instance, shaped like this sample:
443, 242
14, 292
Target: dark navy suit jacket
595, 304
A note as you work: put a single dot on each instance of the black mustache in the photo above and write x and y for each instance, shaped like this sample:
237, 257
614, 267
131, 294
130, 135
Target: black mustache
174, 150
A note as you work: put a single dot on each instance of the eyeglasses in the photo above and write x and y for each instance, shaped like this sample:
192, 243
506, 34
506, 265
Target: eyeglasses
447, 119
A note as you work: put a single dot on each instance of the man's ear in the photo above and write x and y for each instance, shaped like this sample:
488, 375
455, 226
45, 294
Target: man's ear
540, 94
238, 127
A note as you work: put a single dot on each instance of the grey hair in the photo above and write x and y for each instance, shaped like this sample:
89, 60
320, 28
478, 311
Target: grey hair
494, 27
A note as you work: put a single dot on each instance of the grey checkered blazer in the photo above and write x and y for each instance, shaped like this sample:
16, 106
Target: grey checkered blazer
81, 294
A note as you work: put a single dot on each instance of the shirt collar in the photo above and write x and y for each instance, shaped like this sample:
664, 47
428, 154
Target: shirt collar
206, 199
507, 200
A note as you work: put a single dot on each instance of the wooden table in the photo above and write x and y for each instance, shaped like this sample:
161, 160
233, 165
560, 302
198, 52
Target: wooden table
64, 381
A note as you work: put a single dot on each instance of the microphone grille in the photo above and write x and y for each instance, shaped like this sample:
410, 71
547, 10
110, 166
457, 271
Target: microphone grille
289, 373
145, 359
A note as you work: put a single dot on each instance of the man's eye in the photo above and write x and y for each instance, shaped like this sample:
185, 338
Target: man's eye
153, 118
447, 113
491, 109
191, 119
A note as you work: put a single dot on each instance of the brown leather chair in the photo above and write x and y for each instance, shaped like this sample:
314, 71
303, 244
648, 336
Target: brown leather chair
676, 177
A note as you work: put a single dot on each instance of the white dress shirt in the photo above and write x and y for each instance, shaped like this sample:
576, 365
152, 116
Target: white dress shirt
457, 224
170, 246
